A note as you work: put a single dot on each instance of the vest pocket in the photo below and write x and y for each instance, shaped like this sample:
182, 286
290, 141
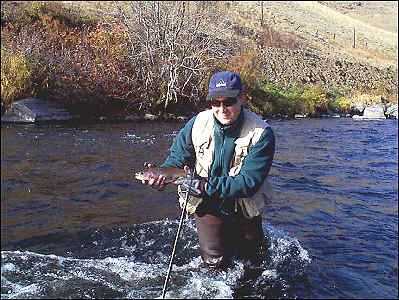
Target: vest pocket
204, 157
241, 150
240, 153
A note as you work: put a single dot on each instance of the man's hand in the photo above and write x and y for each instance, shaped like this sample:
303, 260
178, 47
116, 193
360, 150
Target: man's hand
155, 182
192, 184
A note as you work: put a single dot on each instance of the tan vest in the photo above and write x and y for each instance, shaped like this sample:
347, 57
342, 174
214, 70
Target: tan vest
203, 141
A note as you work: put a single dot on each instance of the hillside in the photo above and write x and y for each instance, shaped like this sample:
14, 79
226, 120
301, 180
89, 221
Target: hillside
321, 37
294, 56
328, 26
327, 54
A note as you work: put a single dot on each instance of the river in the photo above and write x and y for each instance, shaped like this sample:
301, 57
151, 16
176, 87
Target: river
75, 224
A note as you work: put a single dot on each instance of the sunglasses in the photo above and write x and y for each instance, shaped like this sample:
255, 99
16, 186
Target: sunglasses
227, 102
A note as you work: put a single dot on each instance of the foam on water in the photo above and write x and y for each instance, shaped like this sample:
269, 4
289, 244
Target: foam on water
134, 139
137, 267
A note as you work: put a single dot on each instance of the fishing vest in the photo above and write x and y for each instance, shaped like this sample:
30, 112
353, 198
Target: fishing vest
202, 136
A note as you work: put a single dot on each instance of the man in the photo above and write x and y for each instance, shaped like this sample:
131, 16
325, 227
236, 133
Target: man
231, 150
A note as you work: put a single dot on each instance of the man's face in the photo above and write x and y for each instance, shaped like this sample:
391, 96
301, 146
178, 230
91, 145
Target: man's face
224, 113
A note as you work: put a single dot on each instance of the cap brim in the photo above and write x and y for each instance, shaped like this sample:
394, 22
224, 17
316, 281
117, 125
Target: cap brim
223, 93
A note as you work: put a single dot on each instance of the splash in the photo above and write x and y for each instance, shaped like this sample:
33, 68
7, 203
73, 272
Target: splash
132, 263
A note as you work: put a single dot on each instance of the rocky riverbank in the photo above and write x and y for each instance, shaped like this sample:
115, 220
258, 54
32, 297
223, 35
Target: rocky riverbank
33, 110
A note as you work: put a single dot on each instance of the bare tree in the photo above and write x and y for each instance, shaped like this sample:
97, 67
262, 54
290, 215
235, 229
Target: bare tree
173, 44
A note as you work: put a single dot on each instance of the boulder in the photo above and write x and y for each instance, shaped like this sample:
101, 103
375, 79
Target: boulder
374, 112
300, 116
358, 107
32, 110
391, 111
151, 117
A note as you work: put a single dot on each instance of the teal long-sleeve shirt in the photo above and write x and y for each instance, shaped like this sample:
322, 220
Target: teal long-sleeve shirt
255, 168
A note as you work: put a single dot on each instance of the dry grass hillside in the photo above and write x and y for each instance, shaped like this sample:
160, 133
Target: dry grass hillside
328, 26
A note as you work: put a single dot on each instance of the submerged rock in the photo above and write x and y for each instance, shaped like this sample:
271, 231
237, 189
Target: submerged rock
32, 110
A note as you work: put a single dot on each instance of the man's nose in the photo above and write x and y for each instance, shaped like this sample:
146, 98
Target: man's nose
223, 106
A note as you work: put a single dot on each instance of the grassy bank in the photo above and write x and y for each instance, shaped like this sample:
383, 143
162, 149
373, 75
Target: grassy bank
143, 57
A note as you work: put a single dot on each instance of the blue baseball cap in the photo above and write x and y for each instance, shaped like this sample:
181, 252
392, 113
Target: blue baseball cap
224, 84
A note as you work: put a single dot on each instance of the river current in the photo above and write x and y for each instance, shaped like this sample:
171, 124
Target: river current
75, 224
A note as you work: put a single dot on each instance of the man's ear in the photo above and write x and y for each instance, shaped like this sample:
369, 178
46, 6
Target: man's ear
242, 97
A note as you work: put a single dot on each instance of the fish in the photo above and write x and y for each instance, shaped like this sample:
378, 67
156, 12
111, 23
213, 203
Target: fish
171, 174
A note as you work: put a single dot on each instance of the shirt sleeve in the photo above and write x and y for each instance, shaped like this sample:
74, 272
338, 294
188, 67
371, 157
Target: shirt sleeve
253, 172
182, 150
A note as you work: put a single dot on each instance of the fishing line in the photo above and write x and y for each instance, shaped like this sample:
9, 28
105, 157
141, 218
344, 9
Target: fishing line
177, 238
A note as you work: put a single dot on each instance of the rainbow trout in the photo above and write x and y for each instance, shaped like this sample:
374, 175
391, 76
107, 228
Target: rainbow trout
170, 173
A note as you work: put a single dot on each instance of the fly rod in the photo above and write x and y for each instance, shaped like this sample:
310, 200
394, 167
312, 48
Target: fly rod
176, 240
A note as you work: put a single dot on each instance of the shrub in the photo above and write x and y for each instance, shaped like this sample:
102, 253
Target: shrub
269, 37
314, 100
245, 64
16, 76
26, 13
83, 65
171, 46
340, 104
93, 68
269, 99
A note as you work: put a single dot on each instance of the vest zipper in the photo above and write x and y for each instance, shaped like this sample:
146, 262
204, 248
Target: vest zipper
222, 151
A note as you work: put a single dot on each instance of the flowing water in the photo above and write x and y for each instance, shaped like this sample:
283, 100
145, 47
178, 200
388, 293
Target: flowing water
75, 224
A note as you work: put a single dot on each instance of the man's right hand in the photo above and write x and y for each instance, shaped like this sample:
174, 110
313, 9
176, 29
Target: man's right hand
155, 181
194, 185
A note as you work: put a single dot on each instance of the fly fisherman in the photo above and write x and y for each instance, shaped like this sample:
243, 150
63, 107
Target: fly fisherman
232, 151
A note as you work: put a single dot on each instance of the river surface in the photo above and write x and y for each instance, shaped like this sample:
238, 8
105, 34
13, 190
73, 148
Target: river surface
75, 224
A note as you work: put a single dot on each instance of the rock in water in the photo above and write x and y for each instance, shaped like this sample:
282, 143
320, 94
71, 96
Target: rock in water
32, 110
374, 112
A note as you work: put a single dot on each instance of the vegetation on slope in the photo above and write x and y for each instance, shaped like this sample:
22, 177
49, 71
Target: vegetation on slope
156, 57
